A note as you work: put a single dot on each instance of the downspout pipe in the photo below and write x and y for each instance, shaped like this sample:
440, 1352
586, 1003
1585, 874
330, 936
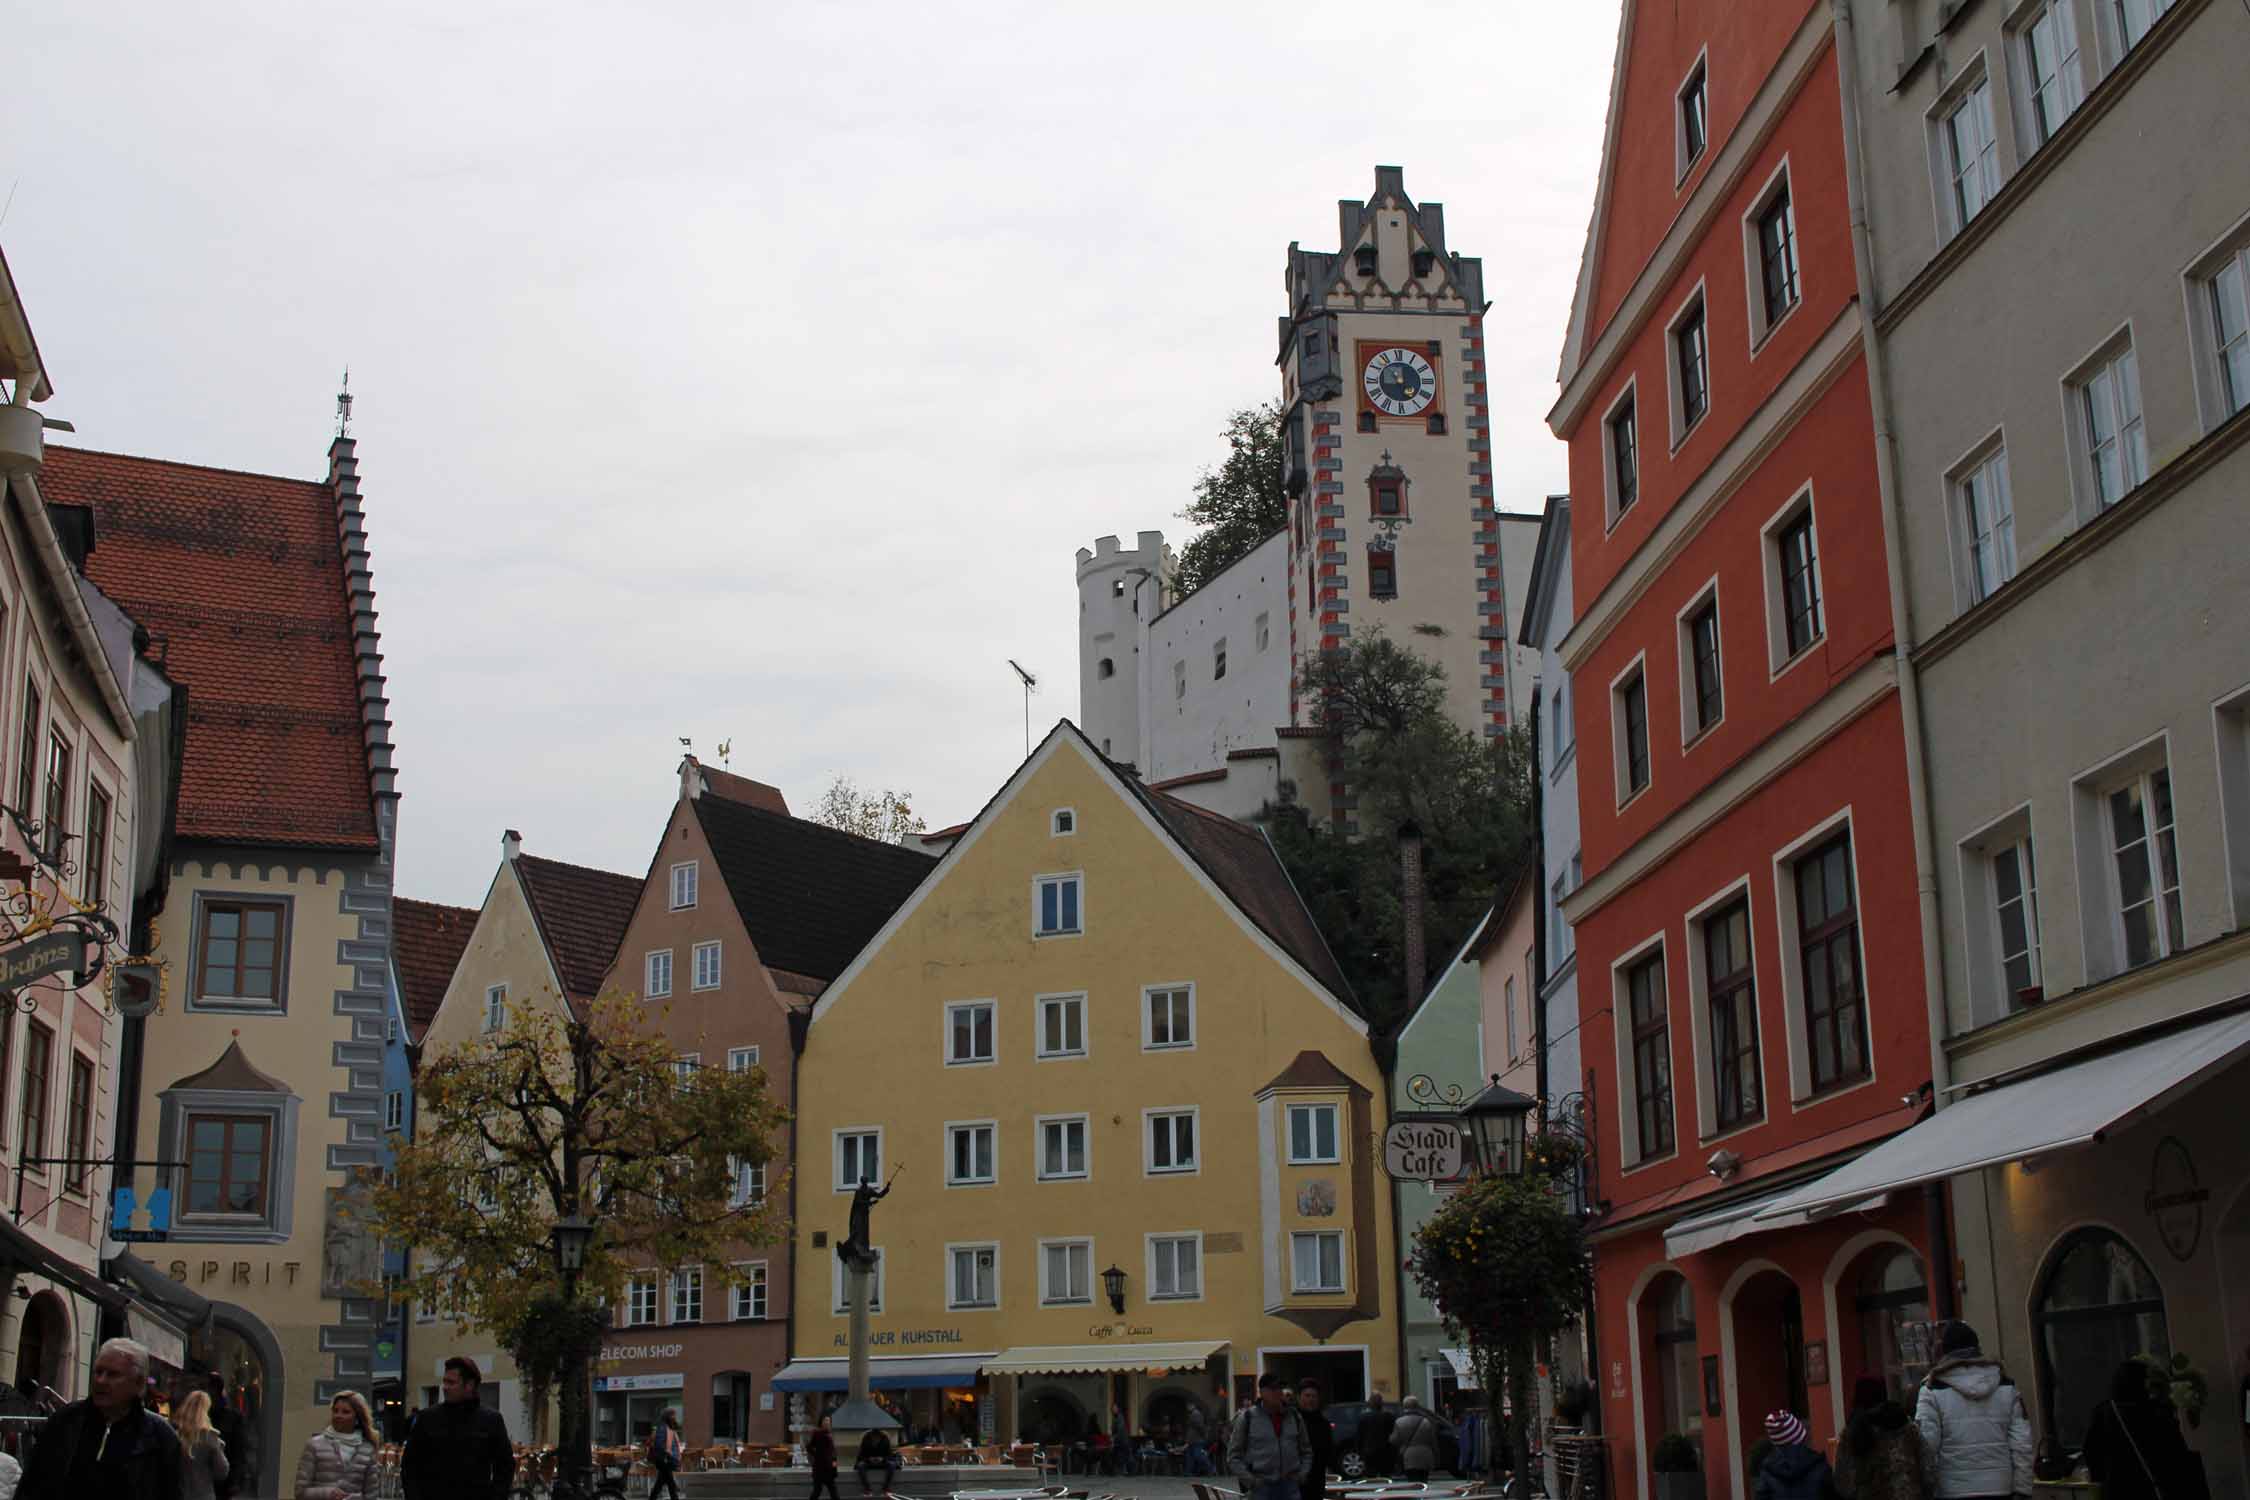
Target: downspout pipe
1941, 1277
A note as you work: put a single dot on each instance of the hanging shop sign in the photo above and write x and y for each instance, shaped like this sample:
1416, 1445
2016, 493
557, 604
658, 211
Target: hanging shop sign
1424, 1150
57, 951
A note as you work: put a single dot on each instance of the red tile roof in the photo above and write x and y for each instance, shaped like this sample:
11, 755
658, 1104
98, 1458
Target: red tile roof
582, 915
426, 944
239, 579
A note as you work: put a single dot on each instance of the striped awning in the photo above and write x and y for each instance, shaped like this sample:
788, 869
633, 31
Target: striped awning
1083, 1359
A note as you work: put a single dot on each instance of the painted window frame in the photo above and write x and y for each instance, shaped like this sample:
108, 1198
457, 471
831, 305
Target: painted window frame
743, 1059
1693, 688
1953, 179
1040, 1126
954, 1009
1073, 880
1154, 1244
1070, 1001
205, 901
1149, 992
1068, 1296
1692, 315
655, 985
836, 1154
750, 1299
1984, 958
1758, 269
2140, 769
100, 820
1788, 936
2105, 385
1319, 1239
697, 980
1623, 720
1621, 460
954, 1129
991, 1269
178, 1109
685, 888
1980, 509
683, 1299
1062, 823
1691, 119
1773, 541
2222, 360
2045, 100
636, 1316
1313, 1156
839, 1305
1161, 1121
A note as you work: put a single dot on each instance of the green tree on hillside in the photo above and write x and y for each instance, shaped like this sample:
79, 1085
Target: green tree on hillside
1239, 504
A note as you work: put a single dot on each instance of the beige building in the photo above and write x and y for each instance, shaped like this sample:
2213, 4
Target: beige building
258, 1101
2060, 213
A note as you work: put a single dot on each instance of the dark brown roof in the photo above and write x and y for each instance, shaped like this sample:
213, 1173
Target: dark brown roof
426, 944
742, 789
582, 915
240, 581
810, 896
1313, 1070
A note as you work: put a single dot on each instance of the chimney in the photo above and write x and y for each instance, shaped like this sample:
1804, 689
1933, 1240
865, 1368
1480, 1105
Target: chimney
511, 844
1410, 908
691, 778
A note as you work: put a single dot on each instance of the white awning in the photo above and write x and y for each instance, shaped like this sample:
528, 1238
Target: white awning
1721, 1226
896, 1372
2073, 1106
1076, 1359
1464, 1368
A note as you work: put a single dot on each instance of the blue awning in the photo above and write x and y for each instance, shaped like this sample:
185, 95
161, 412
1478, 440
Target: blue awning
900, 1372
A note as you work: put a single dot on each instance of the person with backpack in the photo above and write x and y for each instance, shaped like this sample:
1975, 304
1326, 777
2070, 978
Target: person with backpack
1415, 1436
1976, 1439
1791, 1470
664, 1450
1880, 1457
1268, 1448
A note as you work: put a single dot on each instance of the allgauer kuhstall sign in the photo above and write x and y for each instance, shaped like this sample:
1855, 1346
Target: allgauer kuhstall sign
1424, 1150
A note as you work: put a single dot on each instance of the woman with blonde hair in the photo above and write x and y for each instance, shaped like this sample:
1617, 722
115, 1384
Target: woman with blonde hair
203, 1455
339, 1460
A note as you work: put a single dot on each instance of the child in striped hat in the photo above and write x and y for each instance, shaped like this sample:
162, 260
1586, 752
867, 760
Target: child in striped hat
1792, 1470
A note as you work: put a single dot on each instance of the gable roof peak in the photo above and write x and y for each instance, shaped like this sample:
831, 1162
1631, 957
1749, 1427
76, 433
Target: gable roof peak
581, 914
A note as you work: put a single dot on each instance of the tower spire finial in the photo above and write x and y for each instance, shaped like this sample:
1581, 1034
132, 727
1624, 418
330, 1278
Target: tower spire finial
344, 405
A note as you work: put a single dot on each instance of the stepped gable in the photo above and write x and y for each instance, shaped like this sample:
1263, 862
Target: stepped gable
240, 581
426, 944
582, 915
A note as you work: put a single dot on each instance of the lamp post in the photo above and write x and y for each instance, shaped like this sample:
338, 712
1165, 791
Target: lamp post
1113, 1282
572, 1235
1495, 1120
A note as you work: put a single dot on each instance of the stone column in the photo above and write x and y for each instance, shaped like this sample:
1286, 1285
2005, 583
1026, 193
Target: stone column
859, 1413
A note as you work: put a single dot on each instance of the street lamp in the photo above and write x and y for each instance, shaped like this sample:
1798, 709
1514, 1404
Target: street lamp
1496, 1119
572, 1236
1113, 1282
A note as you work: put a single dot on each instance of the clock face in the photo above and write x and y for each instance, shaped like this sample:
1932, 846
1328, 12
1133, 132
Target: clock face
1399, 382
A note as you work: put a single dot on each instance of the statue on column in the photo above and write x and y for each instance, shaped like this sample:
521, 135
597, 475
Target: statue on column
857, 1250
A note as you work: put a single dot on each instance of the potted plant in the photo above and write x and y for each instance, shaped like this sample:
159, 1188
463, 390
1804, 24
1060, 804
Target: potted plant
1678, 1466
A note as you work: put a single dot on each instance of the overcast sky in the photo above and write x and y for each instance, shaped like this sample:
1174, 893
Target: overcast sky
745, 371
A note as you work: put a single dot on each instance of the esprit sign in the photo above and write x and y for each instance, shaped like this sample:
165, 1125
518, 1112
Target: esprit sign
1423, 1150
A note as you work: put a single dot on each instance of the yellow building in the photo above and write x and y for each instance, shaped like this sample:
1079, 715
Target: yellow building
1101, 1047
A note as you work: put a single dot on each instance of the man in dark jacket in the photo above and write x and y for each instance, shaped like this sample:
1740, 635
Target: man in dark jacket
458, 1449
1374, 1434
1321, 1433
227, 1423
108, 1446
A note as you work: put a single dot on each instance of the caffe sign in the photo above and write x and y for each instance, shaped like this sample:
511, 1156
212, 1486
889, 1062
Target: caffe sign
1424, 1150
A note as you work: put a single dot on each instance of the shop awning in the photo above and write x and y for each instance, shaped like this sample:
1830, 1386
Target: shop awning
1083, 1359
1721, 1226
1464, 1368
901, 1372
25, 1253
2075, 1105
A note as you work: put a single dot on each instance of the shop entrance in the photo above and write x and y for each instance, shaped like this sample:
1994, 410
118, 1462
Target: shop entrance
1342, 1373
43, 1342
730, 1406
1769, 1356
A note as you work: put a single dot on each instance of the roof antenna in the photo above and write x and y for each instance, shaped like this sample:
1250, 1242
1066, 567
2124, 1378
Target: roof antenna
1030, 685
344, 405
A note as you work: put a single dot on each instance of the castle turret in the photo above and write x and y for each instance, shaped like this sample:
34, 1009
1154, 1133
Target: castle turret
1119, 593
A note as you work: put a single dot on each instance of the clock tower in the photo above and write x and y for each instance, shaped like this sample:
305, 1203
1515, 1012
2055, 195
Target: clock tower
1387, 452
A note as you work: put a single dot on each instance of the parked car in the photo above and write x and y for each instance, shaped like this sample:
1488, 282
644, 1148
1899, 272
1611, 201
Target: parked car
1352, 1464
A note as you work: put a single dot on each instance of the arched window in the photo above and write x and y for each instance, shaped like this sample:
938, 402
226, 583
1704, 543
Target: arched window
1893, 1302
1678, 1374
2099, 1305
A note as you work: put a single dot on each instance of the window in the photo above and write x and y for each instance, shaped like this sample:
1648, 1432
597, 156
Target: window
2109, 410
1694, 120
227, 1162
78, 1121
1105, 669
658, 981
1386, 500
1171, 1140
1316, 1261
1988, 521
394, 1110
1063, 823
683, 886
1175, 1267
1057, 905
2145, 862
1179, 681
1691, 369
750, 1293
2015, 908
839, 1285
2226, 292
1679, 1385
1736, 1081
57, 819
1264, 631
687, 1295
1828, 962
2135, 17
495, 1007
1218, 658
1062, 1148
640, 1302
1062, 1026
1652, 1054
239, 952
706, 966
975, 1277
1169, 1015
968, 1032
859, 1158
741, 1059
1066, 1271
1969, 153
1624, 454
1117, 588
1382, 573
1796, 569
1508, 1005
1563, 733
1312, 1134
685, 1067
749, 1188
2099, 1306
969, 1155
95, 855
1705, 694
2047, 49
27, 753
1778, 288
1562, 940
1629, 708
1893, 1304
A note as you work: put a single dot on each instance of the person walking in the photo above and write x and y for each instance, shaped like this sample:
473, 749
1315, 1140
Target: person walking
459, 1448
1267, 1446
820, 1452
664, 1450
1374, 1435
109, 1446
228, 1424
203, 1452
1791, 1470
1415, 1436
338, 1462
1976, 1440
1321, 1435
2134, 1446
1880, 1456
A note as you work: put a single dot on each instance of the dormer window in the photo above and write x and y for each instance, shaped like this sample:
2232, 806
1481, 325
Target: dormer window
1386, 500
1425, 261
1386, 489
1364, 257
1105, 669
